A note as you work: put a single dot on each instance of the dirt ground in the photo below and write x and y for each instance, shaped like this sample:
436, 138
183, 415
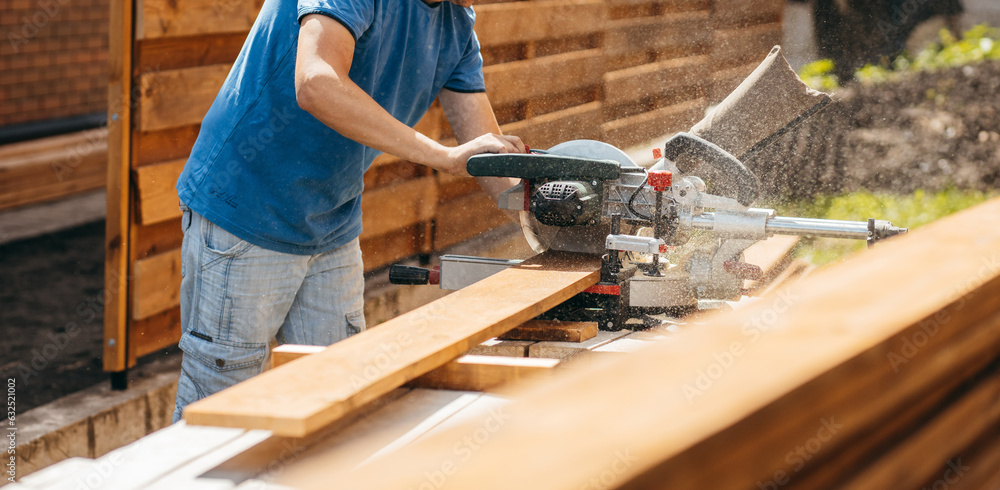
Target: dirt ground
926, 131
51, 320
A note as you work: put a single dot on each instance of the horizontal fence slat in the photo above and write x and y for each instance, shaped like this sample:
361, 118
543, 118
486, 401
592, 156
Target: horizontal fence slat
506, 23
156, 284
157, 194
173, 98
580, 122
173, 53
631, 84
736, 47
539, 77
163, 18
672, 32
642, 127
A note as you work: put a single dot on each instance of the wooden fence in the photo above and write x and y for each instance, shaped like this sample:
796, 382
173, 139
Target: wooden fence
621, 71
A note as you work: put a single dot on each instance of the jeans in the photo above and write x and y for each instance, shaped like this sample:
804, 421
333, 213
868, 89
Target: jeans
236, 297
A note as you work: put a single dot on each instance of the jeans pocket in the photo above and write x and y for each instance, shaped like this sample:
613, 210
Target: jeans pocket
223, 356
356, 322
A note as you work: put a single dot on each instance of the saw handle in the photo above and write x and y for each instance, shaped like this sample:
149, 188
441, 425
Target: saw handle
412, 276
686, 150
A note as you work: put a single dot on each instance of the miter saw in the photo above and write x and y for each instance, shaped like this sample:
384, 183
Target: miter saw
669, 239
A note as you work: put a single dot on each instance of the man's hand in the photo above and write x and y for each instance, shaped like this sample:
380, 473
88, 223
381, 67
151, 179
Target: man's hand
472, 120
487, 143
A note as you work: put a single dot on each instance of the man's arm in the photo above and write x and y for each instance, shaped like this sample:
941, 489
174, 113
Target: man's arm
323, 88
471, 116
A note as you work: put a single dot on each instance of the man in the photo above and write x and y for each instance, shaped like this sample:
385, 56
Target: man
271, 192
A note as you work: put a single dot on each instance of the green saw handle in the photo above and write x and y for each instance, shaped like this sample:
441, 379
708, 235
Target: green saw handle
535, 166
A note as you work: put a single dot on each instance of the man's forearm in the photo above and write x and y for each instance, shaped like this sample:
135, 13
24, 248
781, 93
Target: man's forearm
343, 106
323, 88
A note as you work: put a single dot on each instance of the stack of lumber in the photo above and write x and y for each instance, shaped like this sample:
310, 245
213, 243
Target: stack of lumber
51, 168
400, 416
880, 372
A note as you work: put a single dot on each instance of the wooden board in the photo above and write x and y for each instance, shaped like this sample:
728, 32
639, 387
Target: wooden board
156, 285
51, 168
840, 340
362, 368
540, 77
569, 350
580, 122
156, 186
176, 98
505, 23
163, 18
553, 330
118, 217
507, 348
483, 373
642, 127
680, 34
467, 373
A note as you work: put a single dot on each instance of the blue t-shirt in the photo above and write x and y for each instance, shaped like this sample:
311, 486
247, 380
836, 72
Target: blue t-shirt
272, 174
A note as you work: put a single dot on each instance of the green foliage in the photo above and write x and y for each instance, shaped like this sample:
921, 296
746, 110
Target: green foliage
912, 211
819, 75
981, 43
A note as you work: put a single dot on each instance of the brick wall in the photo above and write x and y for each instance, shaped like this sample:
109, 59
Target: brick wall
53, 59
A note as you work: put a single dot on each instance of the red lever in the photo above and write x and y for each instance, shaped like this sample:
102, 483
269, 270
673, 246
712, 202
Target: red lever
660, 180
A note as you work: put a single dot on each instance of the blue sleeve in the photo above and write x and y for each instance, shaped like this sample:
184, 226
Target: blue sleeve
355, 15
468, 75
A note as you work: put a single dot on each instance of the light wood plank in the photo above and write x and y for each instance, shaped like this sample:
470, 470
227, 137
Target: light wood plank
640, 128
553, 331
157, 189
834, 340
680, 33
571, 350
163, 18
540, 77
483, 373
580, 122
51, 168
634, 83
467, 373
117, 220
772, 256
360, 369
156, 284
175, 98
286, 353
515, 22
507, 348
